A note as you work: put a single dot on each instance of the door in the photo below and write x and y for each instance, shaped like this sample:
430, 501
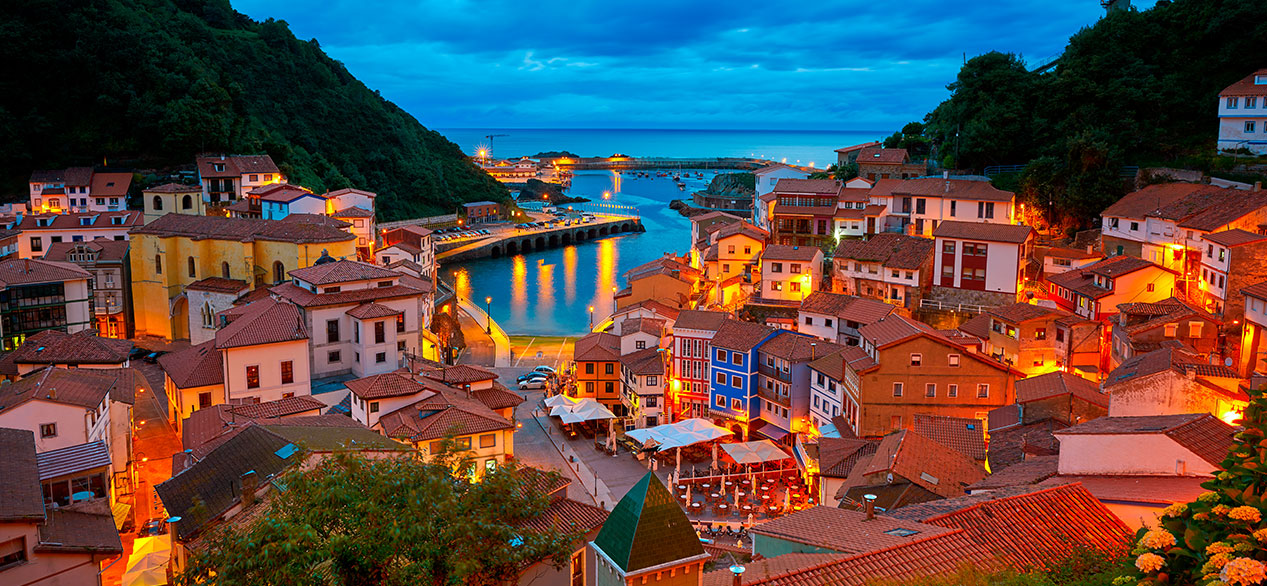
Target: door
870, 225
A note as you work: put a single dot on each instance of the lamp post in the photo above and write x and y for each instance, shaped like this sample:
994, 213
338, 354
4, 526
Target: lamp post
488, 315
591, 318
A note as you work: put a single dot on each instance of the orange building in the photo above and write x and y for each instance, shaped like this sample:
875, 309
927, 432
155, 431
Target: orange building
597, 360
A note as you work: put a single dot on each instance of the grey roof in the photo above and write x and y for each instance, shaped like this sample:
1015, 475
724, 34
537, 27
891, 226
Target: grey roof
72, 459
21, 498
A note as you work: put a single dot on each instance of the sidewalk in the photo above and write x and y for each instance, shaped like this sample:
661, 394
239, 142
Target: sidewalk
606, 477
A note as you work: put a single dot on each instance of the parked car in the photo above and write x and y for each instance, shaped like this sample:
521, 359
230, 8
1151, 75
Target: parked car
546, 369
152, 357
533, 383
137, 353
532, 375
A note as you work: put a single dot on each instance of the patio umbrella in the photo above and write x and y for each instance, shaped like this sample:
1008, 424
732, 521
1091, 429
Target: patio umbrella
144, 545
147, 577
787, 498
714, 455
557, 400
678, 467
138, 563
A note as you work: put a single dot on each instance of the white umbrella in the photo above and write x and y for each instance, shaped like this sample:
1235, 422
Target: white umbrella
714, 456
678, 466
147, 577
138, 563
556, 400
143, 545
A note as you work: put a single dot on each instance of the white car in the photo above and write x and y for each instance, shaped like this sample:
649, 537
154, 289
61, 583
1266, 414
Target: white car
546, 369
532, 383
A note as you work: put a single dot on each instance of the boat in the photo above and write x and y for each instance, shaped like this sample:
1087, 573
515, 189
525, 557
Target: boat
681, 186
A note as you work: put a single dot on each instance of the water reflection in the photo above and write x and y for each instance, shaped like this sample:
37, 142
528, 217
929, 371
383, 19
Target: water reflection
545, 288
569, 275
518, 288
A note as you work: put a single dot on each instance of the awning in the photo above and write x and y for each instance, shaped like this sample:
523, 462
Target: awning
758, 452
120, 511
766, 429
678, 435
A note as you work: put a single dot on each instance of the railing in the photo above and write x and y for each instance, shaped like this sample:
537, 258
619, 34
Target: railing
936, 305
775, 397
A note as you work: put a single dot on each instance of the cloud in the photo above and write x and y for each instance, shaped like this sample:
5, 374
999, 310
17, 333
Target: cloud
671, 63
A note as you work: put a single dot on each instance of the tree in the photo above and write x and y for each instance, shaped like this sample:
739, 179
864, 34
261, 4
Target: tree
1220, 538
911, 138
354, 520
989, 118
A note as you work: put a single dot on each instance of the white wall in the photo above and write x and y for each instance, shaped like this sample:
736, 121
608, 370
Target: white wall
1128, 454
269, 358
74, 425
766, 181
818, 325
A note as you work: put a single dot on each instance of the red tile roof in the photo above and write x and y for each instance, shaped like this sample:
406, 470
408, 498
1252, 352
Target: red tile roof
70, 176
961, 434
197, 366
281, 192
1030, 471
598, 346
939, 187
219, 285
838, 456
19, 477
1258, 290
31, 271
799, 347
459, 375
353, 212
925, 463
1201, 433
844, 530
1157, 490
1017, 313
85, 347
279, 408
498, 397
445, 411
173, 188
791, 185
110, 184
266, 321
978, 326
784, 252
1029, 527
740, 335
646, 325
1236, 237
976, 231
73, 222
1055, 384
306, 298
644, 362
896, 251
389, 384
342, 271
1149, 199
1246, 86
655, 306
82, 387
372, 310
1075, 253
234, 165
695, 319
241, 229
882, 155
858, 147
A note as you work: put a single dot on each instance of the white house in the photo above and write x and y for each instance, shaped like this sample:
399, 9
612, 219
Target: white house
769, 175
43, 295
227, 178
78, 189
264, 350
643, 375
856, 215
1243, 114
39, 231
836, 317
640, 333
364, 319
985, 258
919, 206
894, 268
790, 273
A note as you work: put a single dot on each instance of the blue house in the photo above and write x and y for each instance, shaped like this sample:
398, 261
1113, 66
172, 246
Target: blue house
733, 365
783, 383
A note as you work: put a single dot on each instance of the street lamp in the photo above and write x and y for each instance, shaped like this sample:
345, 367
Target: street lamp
591, 318
488, 315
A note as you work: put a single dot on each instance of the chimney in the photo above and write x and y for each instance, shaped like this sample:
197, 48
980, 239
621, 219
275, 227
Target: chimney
813, 347
1258, 186
249, 485
869, 505
189, 460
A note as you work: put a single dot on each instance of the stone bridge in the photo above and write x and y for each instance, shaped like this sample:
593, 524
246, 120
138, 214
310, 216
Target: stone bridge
528, 241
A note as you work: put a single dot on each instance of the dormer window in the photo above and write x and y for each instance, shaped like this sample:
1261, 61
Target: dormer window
384, 283
1260, 80
117, 220
43, 222
218, 166
85, 221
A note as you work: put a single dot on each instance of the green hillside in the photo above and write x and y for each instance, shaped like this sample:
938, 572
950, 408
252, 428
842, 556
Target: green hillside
150, 83
1136, 88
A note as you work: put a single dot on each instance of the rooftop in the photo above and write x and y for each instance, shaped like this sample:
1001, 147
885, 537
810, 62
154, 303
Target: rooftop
443, 411
1055, 384
342, 271
20, 483
961, 434
788, 253
740, 335
196, 366
845, 531
956, 188
648, 528
84, 347
82, 387
1201, 433
890, 250
241, 229
597, 346
1009, 233
234, 165
31, 271
267, 321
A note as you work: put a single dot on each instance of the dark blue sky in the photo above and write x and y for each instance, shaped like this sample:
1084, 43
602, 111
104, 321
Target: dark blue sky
671, 63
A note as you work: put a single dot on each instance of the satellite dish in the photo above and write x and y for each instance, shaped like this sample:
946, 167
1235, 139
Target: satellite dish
1227, 362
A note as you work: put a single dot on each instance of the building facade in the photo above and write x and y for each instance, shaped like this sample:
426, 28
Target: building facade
109, 263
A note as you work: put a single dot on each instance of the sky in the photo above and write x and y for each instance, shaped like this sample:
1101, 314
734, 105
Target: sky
683, 64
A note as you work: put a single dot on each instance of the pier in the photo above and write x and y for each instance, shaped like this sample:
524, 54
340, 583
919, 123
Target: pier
649, 163
515, 241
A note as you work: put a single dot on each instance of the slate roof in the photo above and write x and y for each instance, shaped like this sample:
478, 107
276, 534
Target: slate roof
1010, 233
924, 462
788, 253
891, 250
597, 346
84, 347
83, 387
961, 434
1149, 199
740, 335
1028, 527
342, 271
72, 459
205, 490
241, 229
266, 321
1055, 384
695, 319
442, 412
32, 271
22, 498
219, 285
647, 528
1201, 433
196, 366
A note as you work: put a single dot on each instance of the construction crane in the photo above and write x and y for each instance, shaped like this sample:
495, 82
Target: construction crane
490, 138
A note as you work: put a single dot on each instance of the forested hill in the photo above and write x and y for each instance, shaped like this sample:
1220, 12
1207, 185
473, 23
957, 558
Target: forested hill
1136, 88
153, 82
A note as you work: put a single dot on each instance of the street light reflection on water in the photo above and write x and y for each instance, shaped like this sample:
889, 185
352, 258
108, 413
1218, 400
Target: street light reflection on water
549, 292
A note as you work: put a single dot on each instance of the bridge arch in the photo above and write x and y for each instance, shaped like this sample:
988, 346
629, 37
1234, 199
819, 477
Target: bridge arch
626, 227
511, 248
602, 231
526, 245
540, 243
495, 252
554, 240
566, 239
593, 234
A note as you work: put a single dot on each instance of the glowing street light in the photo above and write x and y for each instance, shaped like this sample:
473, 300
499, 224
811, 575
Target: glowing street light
591, 317
488, 315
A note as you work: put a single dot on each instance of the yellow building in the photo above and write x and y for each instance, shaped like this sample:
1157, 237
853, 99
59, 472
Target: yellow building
175, 250
173, 198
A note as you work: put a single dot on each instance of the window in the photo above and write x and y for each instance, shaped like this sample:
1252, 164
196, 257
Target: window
985, 209
1134, 226
736, 405
380, 358
204, 400
1151, 287
463, 443
435, 447
1194, 329
608, 368
895, 422
721, 355
640, 344
1249, 126
374, 407
721, 378
952, 360
193, 268
332, 330
589, 368
37, 244
488, 440
186, 203
224, 270
13, 552
48, 430
917, 359
288, 372
253, 377
158, 203
983, 391
609, 388
930, 390
380, 332
736, 358
795, 269
776, 267
651, 382
776, 285
1040, 334
279, 271
1251, 102
720, 400
736, 382
952, 390
1231, 103
334, 356
589, 387
897, 389
796, 286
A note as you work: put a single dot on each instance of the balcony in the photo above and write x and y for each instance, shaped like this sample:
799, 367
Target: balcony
774, 373
776, 398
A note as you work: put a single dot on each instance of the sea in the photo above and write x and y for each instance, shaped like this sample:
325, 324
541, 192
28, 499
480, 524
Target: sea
550, 292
